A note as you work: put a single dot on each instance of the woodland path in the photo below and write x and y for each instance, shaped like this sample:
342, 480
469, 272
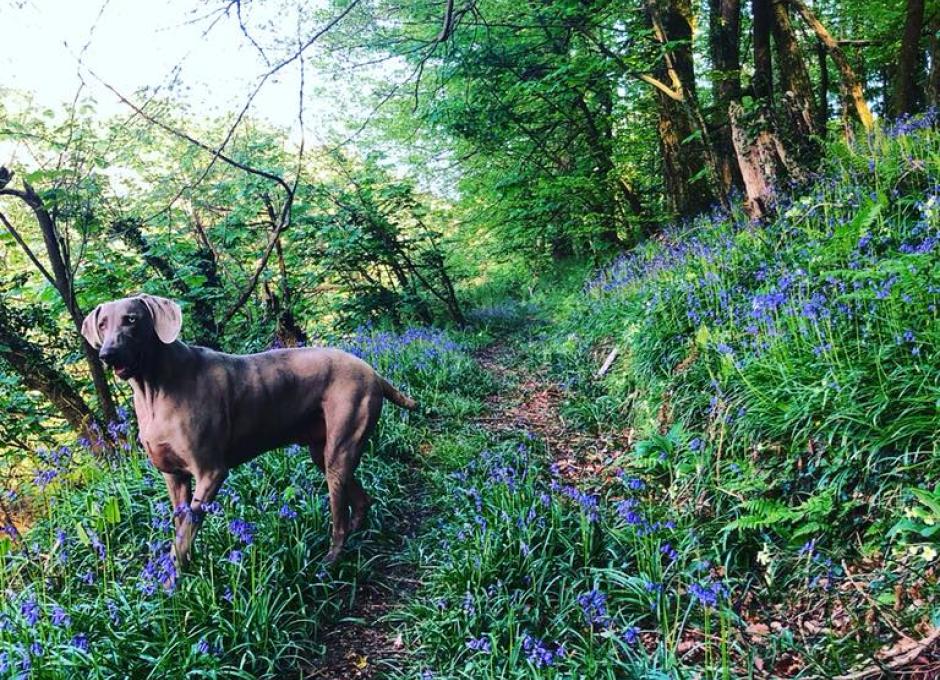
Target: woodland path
365, 644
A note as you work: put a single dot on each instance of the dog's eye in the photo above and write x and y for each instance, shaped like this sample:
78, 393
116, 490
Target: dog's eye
102, 324
131, 320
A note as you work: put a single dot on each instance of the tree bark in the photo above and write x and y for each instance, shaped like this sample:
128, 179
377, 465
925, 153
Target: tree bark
762, 159
933, 78
903, 101
762, 83
685, 169
850, 83
37, 372
794, 77
724, 38
822, 106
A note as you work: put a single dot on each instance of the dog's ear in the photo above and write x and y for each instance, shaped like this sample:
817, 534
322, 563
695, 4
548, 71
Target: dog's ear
90, 328
167, 317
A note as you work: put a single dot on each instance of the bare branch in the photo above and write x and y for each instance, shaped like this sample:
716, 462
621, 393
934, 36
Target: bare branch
26, 249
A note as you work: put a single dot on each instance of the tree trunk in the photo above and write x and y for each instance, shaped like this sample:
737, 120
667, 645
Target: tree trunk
933, 78
37, 372
905, 83
724, 36
762, 83
64, 285
794, 78
684, 164
850, 83
763, 161
822, 106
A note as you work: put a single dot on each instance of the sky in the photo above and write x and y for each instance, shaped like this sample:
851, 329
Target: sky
136, 43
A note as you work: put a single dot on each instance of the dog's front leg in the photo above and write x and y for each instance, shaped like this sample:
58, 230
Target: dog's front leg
178, 486
207, 486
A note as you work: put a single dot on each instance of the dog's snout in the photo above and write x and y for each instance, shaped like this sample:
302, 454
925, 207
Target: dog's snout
107, 355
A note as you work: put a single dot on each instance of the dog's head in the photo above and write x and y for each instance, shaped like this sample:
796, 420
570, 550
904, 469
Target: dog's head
127, 331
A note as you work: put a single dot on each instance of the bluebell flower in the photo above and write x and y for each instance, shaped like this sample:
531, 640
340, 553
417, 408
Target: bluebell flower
809, 548
159, 571
80, 642
635, 484
707, 593
594, 606
631, 635
30, 611
468, 605
60, 617
286, 512
26, 662
481, 644
538, 653
43, 478
242, 530
113, 613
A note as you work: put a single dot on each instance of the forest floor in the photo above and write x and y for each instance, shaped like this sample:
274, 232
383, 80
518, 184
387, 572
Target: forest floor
367, 643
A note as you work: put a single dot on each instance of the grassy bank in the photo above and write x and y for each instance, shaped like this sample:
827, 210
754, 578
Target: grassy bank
775, 510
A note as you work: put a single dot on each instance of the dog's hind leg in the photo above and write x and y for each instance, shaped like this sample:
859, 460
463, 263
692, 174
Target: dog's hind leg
337, 480
360, 502
348, 425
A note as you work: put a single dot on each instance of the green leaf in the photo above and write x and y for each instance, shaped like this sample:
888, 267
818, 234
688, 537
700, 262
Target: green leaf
112, 511
82, 534
702, 336
928, 499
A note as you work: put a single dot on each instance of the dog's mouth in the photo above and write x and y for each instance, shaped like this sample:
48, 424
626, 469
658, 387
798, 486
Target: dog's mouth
122, 371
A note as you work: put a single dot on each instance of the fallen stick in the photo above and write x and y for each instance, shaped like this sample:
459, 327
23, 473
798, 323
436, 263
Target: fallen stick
608, 362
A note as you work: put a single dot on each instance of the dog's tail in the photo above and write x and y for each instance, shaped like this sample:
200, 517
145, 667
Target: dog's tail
395, 396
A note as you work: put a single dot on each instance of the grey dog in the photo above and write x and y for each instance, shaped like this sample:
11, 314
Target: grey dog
201, 413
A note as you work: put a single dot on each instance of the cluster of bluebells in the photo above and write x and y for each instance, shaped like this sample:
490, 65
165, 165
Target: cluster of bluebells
427, 347
708, 593
242, 531
908, 124
752, 298
159, 571
539, 653
594, 608
481, 644
589, 503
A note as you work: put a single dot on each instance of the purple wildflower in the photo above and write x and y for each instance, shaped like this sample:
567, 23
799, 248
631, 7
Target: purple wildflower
80, 642
481, 644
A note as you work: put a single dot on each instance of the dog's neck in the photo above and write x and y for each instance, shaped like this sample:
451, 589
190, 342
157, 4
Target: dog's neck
159, 371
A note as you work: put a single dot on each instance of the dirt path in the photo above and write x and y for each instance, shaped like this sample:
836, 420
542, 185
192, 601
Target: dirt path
364, 644
533, 403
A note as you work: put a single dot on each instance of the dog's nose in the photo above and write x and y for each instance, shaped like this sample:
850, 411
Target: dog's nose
107, 354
